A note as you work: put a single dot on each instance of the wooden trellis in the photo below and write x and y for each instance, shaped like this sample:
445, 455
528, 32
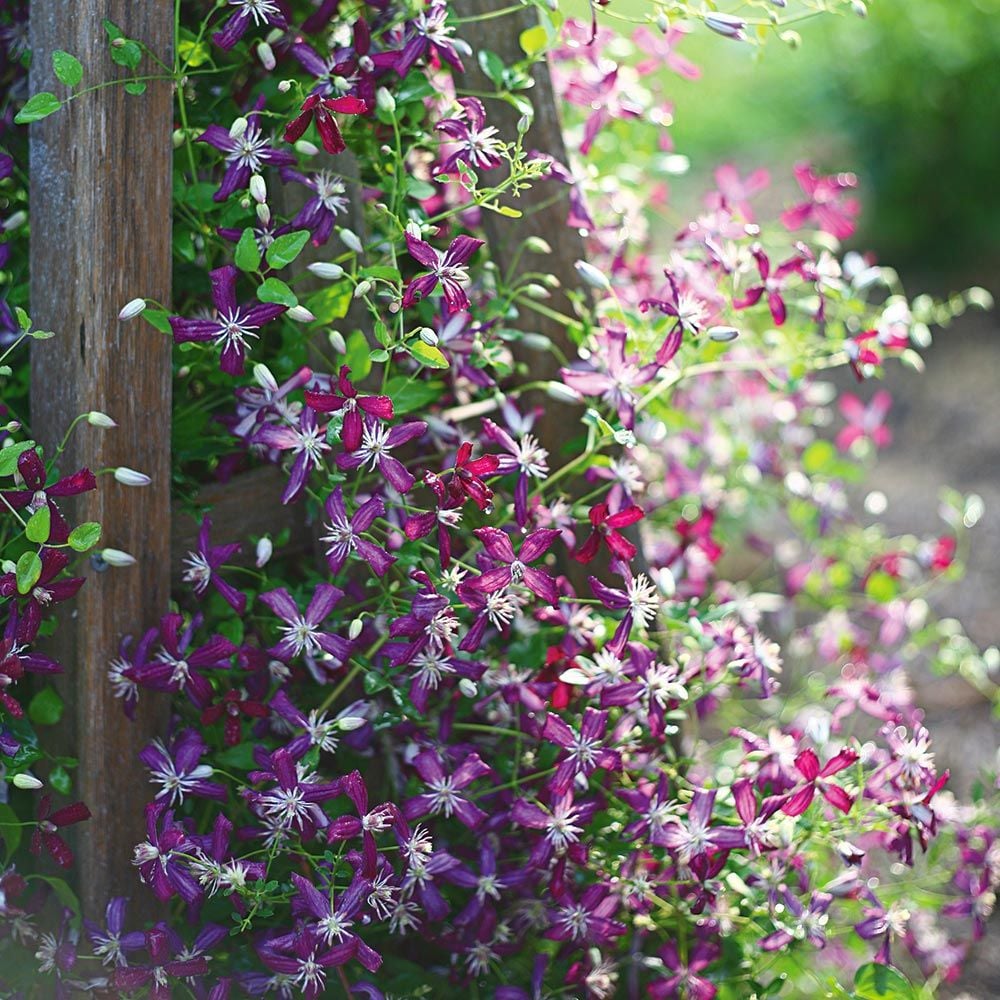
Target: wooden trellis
101, 207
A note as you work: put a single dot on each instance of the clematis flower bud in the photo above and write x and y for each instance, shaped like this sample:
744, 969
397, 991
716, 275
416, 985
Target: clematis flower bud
115, 557
337, 341
385, 102
331, 272
25, 780
350, 240
723, 334
258, 188
306, 148
266, 56
727, 25
300, 315
535, 244
562, 393
592, 276
263, 213
238, 127
350, 722
265, 550
264, 378
129, 477
285, 86
132, 309
356, 627
362, 288
468, 687
97, 419
428, 336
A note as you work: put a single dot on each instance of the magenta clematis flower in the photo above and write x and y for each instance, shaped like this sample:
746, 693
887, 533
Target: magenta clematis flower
301, 958
374, 450
807, 921
772, 284
233, 324
429, 34
36, 493
47, 591
295, 804
859, 355
344, 536
584, 752
200, 568
476, 143
329, 199
246, 154
442, 797
347, 401
178, 769
231, 706
302, 632
161, 968
621, 374
864, 422
322, 110
807, 765
660, 47
607, 100
604, 528
754, 815
155, 856
447, 268
525, 456
827, 204
260, 12
686, 979
734, 192
46, 833
692, 836
514, 568
306, 440
334, 919
366, 824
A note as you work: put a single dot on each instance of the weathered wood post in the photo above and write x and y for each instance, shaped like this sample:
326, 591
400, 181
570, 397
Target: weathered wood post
100, 236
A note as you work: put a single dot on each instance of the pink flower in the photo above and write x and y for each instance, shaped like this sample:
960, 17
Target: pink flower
807, 765
826, 203
865, 422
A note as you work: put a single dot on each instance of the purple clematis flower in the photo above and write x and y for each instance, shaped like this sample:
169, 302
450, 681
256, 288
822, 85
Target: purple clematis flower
562, 823
476, 142
306, 440
686, 980
514, 568
155, 860
200, 568
344, 536
161, 968
808, 921
887, 922
587, 920
246, 154
295, 804
525, 456
334, 920
179, 771
694, 836
376, 443
638, 599
443, 797
300, 959
366, 824
447, 268
428, 34
584, 752
36, 493
110, 942
826, 203
233, 324
301, 632
687, 310
621, 374
772, 284
320, 211
347, 401
260, 12
46, 832
48, 590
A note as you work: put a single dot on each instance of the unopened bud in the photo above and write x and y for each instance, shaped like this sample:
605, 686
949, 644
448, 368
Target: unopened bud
663, 22
535, 291
428, 336
274, 36
523, 124
118, 43
468, 687
337, 341
362, 288
355, 628
535, 244
177, 138
266, 56
350, 722
385, 102
726, 24
723, 334
14, 221
115, 557
238, 127
11, 426
263, 377
97, 419
300, 315
258, 188
306, 148
285, 86
25, 780
265, 549
859, 7
536, 341
263, 213
562, 393
132, 309
350, 240
591, 275
7, 566
331, 272
129, 477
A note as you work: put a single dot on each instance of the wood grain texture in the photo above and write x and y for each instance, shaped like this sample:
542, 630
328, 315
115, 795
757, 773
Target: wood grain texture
100, 236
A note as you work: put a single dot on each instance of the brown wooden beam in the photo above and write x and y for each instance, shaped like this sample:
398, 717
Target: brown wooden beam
100, 236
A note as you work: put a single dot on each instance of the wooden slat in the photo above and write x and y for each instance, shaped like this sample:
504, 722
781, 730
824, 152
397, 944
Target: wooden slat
100, 236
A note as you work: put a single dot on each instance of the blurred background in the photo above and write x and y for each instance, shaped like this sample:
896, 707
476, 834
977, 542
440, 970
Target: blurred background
908, 98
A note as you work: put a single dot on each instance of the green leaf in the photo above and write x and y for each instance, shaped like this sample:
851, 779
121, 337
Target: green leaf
60, 780
408, 394
534, 41
881, 982
129, 54
158, 319
9, 456
10, 830
492, 65
881, 587
39, 525
135, 87
275, 290
112, 30
382, 272
331, 303
818, 457
23, 319
427, 354
357, 358
240, 756
37, 107
247, 252
65, 895
84, 536
27, 571
68, 68
286, 248
46, 708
